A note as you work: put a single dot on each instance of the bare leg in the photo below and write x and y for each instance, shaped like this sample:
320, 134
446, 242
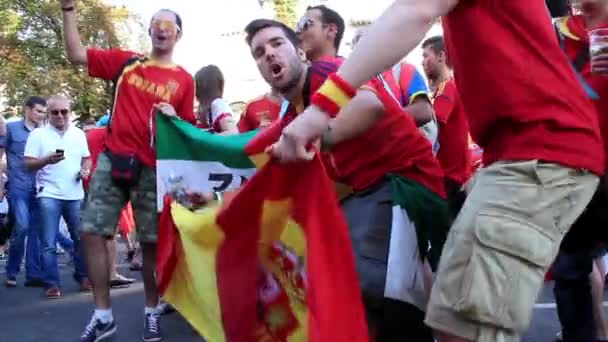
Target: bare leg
95, 248
597, 293
111, 245
149, 267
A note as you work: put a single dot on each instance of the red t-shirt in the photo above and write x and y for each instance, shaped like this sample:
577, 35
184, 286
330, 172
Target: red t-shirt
454, 153
393, 145
259, 112
520, 93
141, 85
96, 138
576, 39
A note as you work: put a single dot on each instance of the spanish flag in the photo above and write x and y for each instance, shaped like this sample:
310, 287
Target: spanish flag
273, 263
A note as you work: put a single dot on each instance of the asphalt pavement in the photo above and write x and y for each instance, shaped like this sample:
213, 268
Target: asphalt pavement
27, 316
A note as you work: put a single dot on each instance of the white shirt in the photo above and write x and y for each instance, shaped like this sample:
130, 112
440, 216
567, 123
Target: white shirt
59, 180
219, 109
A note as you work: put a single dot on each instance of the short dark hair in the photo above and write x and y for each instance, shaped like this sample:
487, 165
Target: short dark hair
435, 43
178, 18
259, 24
330, 16
32, 101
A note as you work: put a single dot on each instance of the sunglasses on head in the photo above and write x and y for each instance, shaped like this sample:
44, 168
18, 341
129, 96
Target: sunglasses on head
164, 24
63, 112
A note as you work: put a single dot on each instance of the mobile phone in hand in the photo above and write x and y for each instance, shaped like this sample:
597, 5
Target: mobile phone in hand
59, 151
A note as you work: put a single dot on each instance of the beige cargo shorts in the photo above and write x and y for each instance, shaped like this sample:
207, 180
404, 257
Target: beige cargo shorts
501, 245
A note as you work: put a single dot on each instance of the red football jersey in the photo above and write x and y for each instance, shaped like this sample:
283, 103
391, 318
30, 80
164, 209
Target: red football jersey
393, 145
96, 138
259, 112
141, 85
520, 93
454, 154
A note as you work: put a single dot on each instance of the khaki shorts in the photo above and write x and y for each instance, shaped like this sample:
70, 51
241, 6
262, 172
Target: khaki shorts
105, 203
501, 245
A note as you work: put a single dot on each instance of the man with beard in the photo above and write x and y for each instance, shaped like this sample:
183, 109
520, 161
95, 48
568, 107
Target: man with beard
542, 151
393, 145
579, 305
126, 170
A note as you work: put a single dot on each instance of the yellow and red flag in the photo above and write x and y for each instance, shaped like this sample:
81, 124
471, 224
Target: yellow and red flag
273, 263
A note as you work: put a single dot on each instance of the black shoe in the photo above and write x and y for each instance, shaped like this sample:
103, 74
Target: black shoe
121, 282
96, 331
165, 308
152, 328
34, 283
11, 282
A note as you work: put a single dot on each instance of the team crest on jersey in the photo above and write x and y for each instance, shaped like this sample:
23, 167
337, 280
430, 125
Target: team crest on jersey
172, 85
264, 118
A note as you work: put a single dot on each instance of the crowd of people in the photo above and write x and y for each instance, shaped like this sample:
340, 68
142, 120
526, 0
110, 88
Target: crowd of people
504, 77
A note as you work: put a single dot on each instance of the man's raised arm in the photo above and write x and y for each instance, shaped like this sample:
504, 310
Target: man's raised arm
76, 52
395, 34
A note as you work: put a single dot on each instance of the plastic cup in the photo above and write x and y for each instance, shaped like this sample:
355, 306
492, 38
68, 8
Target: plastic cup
598, 51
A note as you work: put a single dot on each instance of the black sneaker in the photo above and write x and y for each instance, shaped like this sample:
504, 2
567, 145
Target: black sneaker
11, 282
96, 331
152, 328
164, 308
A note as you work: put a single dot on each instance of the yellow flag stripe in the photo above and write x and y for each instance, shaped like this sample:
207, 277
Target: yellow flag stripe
195, 294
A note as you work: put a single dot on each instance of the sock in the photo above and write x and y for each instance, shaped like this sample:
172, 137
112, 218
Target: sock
104, 316
148, 310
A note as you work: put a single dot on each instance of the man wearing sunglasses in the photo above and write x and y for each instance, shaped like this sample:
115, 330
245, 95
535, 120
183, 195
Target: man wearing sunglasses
59, 154
126, 170
525, 107
321, 30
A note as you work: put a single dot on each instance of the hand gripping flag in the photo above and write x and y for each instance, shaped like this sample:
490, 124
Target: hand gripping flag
274, 263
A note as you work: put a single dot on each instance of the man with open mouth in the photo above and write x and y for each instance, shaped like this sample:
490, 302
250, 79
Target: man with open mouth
369, 162
126, 170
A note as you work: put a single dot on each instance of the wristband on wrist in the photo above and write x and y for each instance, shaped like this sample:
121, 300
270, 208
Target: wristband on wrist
67, 9
333, 95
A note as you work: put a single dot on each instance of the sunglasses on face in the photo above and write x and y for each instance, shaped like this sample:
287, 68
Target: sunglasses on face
304, 24
167, 25
63, 112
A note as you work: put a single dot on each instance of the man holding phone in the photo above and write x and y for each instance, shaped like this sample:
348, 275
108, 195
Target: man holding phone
59, 187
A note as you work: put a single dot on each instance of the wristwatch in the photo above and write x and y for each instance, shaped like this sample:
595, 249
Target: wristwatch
67, 9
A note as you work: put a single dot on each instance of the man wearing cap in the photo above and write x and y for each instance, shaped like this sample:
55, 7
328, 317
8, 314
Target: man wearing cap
126, 170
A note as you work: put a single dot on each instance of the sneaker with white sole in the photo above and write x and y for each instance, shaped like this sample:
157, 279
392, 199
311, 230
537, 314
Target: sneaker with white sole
96, 331
152, 328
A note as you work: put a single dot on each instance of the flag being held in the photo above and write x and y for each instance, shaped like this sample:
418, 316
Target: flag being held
274, 263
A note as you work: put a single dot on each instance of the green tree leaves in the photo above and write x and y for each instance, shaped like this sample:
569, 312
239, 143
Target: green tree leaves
32, 57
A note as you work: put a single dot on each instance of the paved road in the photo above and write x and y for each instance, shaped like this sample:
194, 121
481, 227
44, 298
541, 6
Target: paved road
26, 316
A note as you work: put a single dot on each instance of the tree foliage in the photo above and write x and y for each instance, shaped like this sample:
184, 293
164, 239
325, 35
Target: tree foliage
32, 57
286, 11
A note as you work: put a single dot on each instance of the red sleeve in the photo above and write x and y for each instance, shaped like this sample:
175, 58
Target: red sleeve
244, 124
106, 64
185, 108
444, 103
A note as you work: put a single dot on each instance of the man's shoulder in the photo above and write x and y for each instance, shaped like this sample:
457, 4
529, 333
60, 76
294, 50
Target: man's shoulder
14, 124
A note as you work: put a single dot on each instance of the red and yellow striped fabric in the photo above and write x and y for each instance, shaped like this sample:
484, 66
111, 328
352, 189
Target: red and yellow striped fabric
274, 263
